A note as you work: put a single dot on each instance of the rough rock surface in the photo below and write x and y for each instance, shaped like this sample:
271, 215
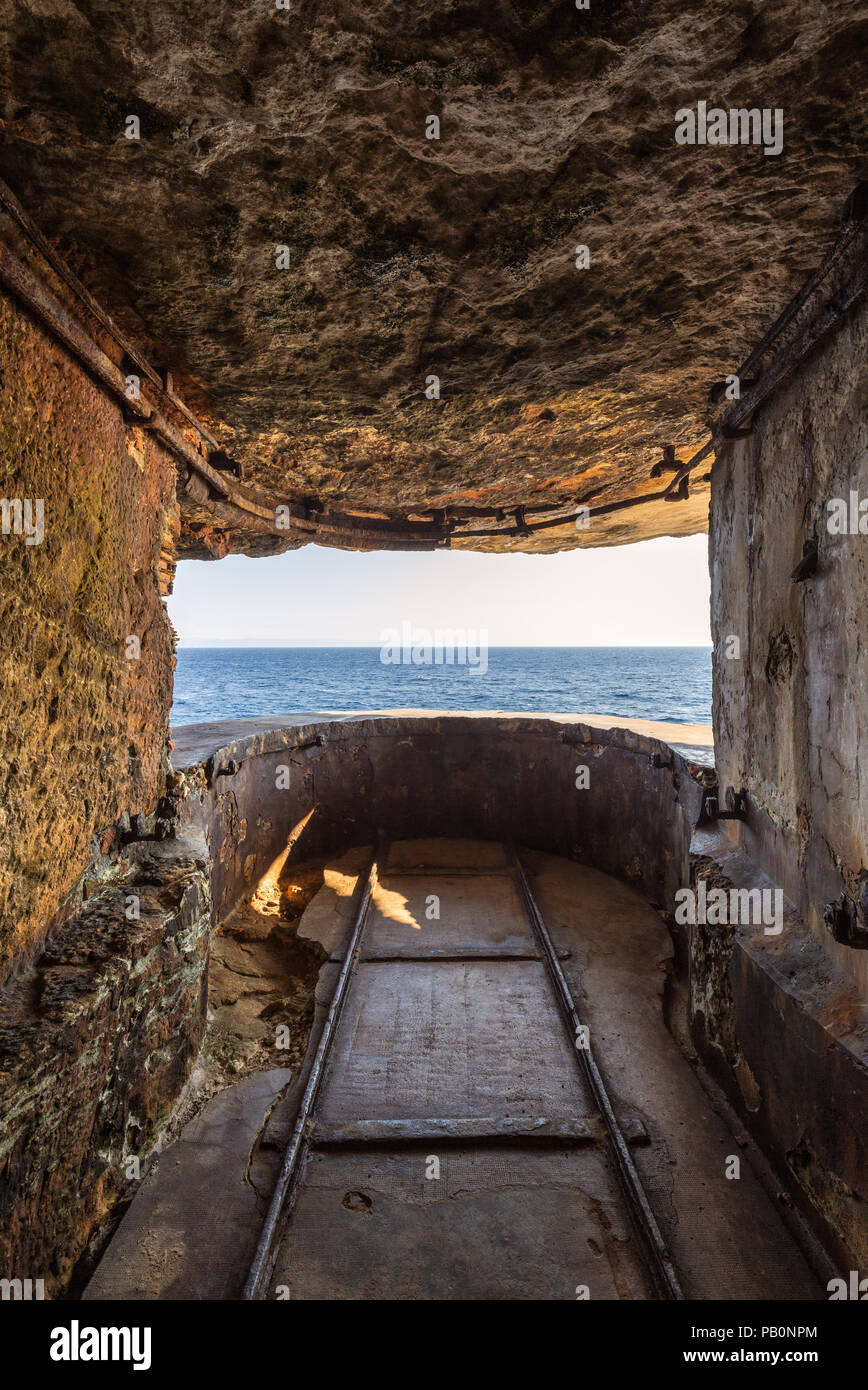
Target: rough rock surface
96, 1042
410, 256
84, 721
789, 713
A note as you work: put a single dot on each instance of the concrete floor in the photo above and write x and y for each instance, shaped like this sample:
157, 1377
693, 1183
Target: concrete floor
457, 1153
442, 1055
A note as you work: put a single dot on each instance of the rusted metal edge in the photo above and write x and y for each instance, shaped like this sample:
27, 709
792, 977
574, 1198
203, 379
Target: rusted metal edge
651, 1242
442, 955
21, 281
25, 286
850, 231
15, 209
284, 1193
9, 201
456, 1130
825, 322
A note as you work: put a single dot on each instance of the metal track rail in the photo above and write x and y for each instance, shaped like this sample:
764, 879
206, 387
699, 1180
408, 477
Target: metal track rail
651, 1242
285, 1189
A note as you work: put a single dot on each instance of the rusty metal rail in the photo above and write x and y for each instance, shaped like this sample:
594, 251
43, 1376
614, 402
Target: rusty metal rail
650, 1240
20, 280
285, 1189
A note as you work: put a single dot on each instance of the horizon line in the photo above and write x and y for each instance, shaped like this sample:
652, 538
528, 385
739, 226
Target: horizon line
242, 644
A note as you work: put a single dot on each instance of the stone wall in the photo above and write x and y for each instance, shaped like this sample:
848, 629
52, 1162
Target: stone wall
83, 722
791, 713
97, 1039
783, 1021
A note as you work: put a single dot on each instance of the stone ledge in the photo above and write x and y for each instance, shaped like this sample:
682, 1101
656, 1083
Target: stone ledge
196, 742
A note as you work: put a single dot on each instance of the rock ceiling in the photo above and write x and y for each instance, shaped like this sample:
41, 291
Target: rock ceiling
412, 257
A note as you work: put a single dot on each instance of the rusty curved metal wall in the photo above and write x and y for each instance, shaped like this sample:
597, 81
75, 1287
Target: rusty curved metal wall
432, 775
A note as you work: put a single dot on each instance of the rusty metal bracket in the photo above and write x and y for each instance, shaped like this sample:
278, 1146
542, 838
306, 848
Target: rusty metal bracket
717, 389
141, 422
222, 463
737, 806
682, 492
212, 771
318, 741
847, 923
668, 463
808, 563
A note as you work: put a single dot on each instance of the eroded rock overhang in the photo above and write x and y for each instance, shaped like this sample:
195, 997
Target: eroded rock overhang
455, 256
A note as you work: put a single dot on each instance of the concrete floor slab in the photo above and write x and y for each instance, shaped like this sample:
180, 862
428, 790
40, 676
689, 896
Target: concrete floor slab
495, 1224
452, 1038
192, 1228
474, 914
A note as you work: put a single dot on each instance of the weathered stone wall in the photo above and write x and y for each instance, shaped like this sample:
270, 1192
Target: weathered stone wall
782, 1028
489, 777
791, 714
783, 1021
82, 726
97, 1038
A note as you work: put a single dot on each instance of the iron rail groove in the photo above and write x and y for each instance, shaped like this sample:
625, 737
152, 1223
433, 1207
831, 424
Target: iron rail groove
650, 1238
284, 1193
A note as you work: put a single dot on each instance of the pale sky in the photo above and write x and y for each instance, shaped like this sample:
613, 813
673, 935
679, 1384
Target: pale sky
654, 593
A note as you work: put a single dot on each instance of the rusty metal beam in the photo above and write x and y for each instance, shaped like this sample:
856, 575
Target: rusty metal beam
26, 287
161, 381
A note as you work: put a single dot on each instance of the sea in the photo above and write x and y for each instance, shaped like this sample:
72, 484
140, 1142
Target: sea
668, 683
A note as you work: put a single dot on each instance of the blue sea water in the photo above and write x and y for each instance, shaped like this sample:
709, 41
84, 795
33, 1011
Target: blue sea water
669, 683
